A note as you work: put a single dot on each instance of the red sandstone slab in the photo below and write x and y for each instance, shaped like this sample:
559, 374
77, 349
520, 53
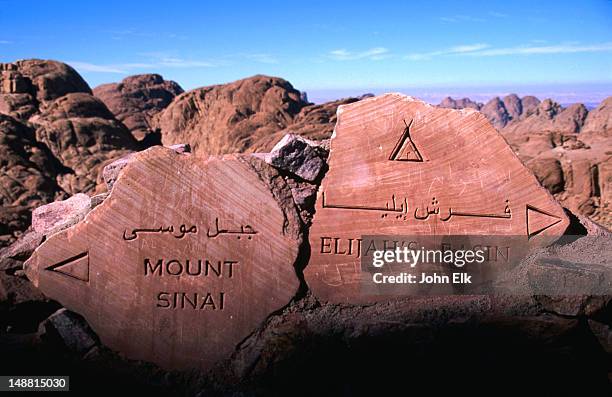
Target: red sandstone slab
399, 166
181, 262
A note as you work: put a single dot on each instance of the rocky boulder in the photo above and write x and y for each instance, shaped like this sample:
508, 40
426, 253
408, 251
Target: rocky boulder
230, 117
496, 112
59, 215
513, 106
298, 156
549, 173
28, 173
81, 132
55, 137
529, 104
45, 80
599, 120
553, 138
550, 116
136, 99
314, 122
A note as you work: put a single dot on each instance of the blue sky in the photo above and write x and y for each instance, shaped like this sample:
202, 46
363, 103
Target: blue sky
425, 48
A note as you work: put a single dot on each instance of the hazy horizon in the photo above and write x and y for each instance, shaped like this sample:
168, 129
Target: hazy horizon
590, 95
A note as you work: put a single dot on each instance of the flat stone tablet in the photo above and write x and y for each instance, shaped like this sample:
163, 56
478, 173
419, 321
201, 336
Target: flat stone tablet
399, 166
182, 261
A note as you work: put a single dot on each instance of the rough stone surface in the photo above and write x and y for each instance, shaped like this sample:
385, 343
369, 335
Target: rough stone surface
549, 173
462, 103
298, 156
16, 290
167, 208
567, 148
27, 176
59, 215
248, 115
83, 135
496, 112
13, 256
43, 80
558, 341
54, 139
110, 173
499, 111
314, 122
550, 116
603, 332
228, 118
69, 329
136, 99
401, 167
599, 120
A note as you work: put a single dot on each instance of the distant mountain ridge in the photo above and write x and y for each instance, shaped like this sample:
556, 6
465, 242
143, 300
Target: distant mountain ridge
511, 110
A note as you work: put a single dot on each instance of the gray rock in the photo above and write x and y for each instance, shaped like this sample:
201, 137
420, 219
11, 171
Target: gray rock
69, 330
112, 170
98, 199
304, 193
15, 290
570, 288
12, 257
181, 148
603, 333
299, 156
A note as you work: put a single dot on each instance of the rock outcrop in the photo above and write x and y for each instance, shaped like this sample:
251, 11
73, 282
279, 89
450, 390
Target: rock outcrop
136, 99
569, 149
550, 116
499, 111
462, 103
599, 120
244, 116
230, 117
314, 122
28, 172
39, 81
56, 136
570, 161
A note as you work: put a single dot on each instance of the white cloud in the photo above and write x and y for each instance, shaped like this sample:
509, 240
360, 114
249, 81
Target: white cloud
90, 67
374, 54
161, 59
460, 49
155, 63
484, 50
549, 49
5, 42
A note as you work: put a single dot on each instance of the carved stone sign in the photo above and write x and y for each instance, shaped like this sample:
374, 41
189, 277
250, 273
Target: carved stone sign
181, 262
399, 166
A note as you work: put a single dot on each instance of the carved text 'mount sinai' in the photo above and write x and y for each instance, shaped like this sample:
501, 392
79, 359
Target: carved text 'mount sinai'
188, 267
201, 265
